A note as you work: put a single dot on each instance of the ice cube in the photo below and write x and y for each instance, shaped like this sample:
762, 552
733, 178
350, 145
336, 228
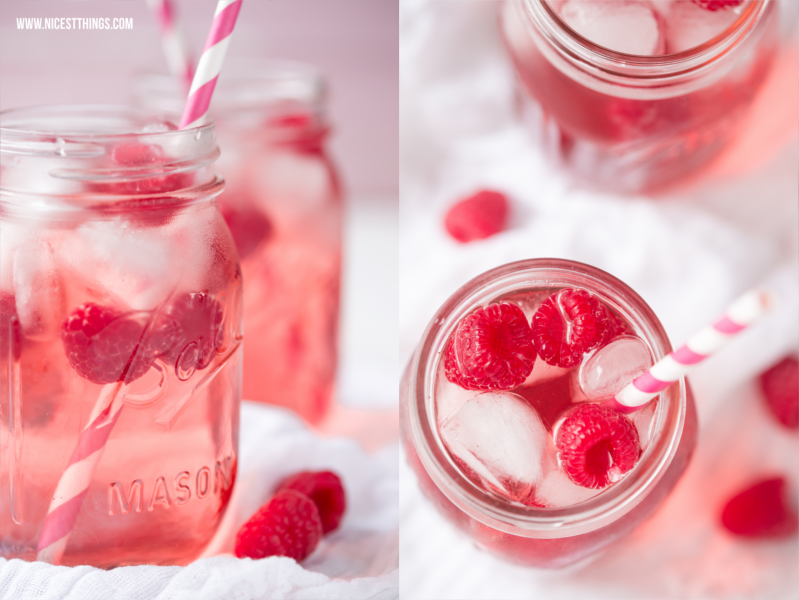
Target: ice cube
498, 438
38, 290
129, 266
609, 369
556, 490
159, 127
689, 25
449, 396
629, 26
644, 421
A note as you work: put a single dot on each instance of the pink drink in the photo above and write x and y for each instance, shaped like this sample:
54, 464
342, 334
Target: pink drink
539, 470
283, 206
118, 277
638, 94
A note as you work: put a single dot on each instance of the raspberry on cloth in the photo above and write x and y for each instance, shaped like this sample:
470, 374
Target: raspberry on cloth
358, 560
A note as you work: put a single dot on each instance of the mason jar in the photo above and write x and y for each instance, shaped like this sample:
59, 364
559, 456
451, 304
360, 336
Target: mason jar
283, 205
535, 530
631, 123
120, 338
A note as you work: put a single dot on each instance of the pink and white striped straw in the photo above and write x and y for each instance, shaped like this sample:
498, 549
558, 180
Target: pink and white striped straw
74, 482
210, 64
742, 313
176, 49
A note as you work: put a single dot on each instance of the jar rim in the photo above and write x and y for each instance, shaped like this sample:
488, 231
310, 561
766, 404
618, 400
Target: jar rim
603, 61
488, 508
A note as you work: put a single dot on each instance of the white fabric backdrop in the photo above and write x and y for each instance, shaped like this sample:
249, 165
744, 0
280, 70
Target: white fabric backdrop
688, 254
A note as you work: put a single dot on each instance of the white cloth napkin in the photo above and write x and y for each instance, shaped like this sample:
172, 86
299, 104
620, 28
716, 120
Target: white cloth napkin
359, 560
688, 254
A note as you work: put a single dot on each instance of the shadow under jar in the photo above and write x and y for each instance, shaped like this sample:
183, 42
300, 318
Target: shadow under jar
535, 529
631, 123
283, 205
120, 338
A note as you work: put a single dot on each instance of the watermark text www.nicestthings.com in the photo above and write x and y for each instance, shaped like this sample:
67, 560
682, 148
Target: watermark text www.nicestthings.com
74, 23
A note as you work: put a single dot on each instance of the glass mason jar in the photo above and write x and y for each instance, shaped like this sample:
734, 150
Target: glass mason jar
120, 338
531, 535
635, 123
284, 208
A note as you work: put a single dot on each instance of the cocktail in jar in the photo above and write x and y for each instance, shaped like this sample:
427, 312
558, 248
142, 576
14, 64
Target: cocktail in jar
508, 420
634, 95
120, 341
283, 206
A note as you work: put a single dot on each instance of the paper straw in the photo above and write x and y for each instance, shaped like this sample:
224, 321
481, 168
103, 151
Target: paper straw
210, 64
176, 49
742, 313
74, 482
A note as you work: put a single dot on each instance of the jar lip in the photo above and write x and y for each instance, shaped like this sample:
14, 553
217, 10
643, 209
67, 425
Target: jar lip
488, 508
123, 122
579, 49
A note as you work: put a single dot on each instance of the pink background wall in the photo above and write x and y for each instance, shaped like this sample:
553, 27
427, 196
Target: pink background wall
355, 42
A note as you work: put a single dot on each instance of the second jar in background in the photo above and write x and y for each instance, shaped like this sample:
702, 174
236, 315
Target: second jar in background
283, 206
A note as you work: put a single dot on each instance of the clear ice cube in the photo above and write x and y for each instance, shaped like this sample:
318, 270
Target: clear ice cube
605, 372
498, 438
689, 25
629, 26
556, 490
38, 290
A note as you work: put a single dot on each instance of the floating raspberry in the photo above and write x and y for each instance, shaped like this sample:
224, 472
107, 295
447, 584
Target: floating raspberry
199, 331
568, 324
249, 228
287, 525
102, 344
10, 329
477, 217
618, 327
715, 5
596, 445
761, 510
491, 349
780, 386
325, 489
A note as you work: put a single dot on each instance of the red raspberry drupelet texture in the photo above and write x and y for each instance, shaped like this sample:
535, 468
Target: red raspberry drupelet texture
197, 319
596, 445
103, 344
780, 385
491, 349
570, 323
287, 525
477, 217
761, 510
325, 489
717, 4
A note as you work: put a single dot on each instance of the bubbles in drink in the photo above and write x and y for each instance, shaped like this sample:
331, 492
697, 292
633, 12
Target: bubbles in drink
629, 26
605, 372
498, 438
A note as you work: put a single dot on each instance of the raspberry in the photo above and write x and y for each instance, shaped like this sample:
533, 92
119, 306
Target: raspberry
761, 510
596, 445
714, 5
249, 228
102, 344
147, 157
10, 329
568, 324
198, 321
325, 489
491, 349
780, 386
618, 327
287, 525
477, 217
